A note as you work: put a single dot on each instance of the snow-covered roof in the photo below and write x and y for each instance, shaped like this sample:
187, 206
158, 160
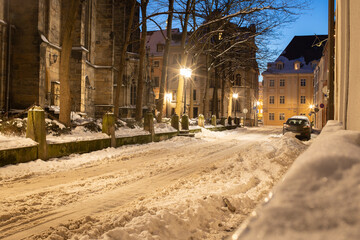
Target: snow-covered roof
154, 38
303, 49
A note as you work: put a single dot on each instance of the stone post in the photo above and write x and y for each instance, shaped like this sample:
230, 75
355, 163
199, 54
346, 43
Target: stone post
108, 127
222, 121
149, 122
201, 121
229, 120
36, 130
185, 122
175, 121
237, 121
213, 120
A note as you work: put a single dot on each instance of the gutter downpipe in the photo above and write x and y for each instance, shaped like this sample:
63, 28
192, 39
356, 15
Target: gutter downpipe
330, 113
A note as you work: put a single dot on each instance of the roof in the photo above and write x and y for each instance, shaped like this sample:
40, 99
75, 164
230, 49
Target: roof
308, 47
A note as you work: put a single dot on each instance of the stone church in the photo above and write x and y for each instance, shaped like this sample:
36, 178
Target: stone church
30, 52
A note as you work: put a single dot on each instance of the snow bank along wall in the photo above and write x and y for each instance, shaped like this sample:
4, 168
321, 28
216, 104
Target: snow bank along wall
318, 197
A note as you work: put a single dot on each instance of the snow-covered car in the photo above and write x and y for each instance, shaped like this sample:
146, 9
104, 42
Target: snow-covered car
300, 125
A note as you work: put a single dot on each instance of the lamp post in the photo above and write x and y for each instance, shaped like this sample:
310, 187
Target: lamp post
186, 73
235, 96
168, 97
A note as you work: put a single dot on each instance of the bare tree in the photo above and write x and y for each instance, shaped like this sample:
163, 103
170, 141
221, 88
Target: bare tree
160, 104
140, 85
68, 29
185, 21
123, 58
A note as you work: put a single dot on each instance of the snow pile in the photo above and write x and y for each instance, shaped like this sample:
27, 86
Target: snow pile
9, 142
163, 127
319, 198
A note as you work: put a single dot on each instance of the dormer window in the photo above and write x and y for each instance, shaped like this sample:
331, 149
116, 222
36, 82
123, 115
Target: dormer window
279, 65
160, 47
297, 65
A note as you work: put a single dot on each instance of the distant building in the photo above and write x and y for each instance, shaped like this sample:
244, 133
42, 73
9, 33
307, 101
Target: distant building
288, 82
321, 89
200, 88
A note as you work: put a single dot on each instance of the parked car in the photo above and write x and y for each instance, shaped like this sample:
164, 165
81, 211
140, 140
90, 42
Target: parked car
300, 125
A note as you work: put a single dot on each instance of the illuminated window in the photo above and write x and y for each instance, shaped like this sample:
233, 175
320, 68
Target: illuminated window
271, 100
238, 80
281, 116
282, 82
282, 99
297, 65
271, 116
302, 99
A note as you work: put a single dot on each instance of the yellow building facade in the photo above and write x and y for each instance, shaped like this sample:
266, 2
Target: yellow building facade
288, 88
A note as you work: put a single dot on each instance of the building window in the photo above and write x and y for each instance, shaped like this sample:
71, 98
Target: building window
160, 47
282, 82
271, 100
194, 94
271, 116
238, 80
302, 114
297, 65
281, 116
302, 99
156, 63
272, 83
156, 81
133, 94
303, 82
282, 99
173, 95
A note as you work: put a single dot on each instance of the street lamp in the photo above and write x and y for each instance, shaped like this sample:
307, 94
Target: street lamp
235, 96
186, 73
168, 97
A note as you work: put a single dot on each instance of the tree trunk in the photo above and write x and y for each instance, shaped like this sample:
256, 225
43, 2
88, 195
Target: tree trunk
230, 101
160, 104
72, 7
223, 84
140, 85
205, 98
123, 60
180, 89
191, 107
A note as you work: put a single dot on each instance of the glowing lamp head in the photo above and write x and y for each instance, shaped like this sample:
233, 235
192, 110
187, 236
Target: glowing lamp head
311, 106
168, 96
186, 72
235, 95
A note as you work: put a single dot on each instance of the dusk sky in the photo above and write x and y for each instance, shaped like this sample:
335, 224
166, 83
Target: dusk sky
312, 21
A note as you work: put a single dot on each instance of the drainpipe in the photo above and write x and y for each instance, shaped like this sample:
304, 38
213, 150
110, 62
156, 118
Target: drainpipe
8, 59
330, 112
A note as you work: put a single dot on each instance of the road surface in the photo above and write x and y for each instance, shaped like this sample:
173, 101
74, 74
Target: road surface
139, 185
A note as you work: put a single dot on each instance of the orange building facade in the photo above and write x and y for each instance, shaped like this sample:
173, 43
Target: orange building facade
289, 81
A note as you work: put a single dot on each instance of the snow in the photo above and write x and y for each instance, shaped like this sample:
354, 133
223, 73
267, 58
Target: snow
10, 142
319, 196
174, 189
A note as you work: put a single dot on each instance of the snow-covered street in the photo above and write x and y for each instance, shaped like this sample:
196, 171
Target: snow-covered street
183, 188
